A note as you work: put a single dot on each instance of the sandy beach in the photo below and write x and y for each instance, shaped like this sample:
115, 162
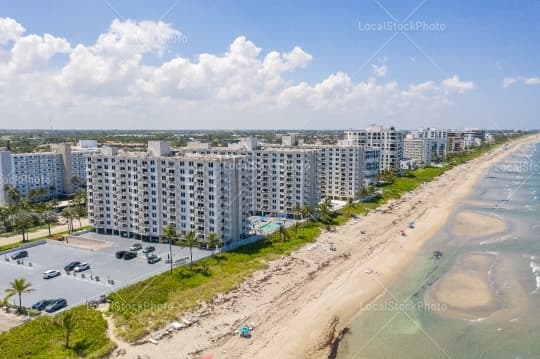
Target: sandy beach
301, 302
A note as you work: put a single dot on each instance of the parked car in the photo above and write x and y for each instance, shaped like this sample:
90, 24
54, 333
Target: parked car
71, 266
51, 274
130, 255
82, 267
55, 305
152, 258
120, 254
135, 247
149, 249
19, 255
40, 305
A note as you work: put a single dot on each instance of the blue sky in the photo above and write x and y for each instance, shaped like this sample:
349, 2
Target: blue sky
480, 42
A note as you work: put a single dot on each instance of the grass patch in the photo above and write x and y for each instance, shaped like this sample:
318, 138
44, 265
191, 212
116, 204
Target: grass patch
42, 338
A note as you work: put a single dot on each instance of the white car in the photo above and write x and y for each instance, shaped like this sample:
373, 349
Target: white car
82, 267
51, 274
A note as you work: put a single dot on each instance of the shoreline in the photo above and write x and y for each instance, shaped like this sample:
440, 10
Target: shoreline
301, 303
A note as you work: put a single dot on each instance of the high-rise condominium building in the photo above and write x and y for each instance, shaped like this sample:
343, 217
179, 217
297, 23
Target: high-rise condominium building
139, 194
389, 140
418, 149
52, 171
281, 178
340, 170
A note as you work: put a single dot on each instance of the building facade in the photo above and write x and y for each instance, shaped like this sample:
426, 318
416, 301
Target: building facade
388, 139
282, 178
139, 194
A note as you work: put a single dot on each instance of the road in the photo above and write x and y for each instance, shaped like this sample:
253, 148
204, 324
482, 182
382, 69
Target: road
42, 232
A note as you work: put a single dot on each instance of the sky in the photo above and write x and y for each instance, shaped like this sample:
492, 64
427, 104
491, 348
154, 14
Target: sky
115, 64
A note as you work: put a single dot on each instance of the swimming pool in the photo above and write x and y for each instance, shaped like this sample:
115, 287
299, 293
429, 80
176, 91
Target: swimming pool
270, 227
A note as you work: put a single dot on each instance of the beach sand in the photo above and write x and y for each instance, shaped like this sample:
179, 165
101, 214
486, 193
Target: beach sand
473, 225
301, 302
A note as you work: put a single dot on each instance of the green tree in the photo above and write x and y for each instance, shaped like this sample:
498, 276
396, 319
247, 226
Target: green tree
66, 321
18, 287
307, 211
170, 235
13, 194
325, 214
349, 207
23, 220
297, 210
214, 242
190, 240
69, 214
283, 233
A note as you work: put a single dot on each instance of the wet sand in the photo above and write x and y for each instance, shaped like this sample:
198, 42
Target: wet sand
467, 290
473, 225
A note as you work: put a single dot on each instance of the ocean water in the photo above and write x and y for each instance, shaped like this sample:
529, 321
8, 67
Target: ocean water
405, 323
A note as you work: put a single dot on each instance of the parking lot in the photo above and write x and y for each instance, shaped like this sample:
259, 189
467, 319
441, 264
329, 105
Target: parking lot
103, 264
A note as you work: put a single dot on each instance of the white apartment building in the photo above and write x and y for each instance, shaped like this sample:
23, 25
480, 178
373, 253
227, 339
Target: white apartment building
418, 149
27, 171
340, 170
52, 171
389, 140
281, 177
139, 194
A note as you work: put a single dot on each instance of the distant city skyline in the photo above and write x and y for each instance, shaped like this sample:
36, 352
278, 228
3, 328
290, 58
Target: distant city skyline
240, 64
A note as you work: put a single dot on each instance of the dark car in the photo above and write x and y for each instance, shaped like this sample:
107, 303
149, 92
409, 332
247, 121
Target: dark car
151, 259
149, 249
40, 305
71, 266
19, 255
130, 255
55, 305
120, 254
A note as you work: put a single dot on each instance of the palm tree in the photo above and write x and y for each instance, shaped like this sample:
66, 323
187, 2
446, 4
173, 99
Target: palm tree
18, 287
297, 210
190, 240
79, 200
296, 226
68, 213
324, 213
13, 194
283, 234
349, 206
66, 321
169, 234
307, 211
213, 241
23, 220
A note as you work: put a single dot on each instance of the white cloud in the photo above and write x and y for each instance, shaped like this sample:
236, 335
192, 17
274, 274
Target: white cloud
509, 81
110, 84
455, 84
9, 30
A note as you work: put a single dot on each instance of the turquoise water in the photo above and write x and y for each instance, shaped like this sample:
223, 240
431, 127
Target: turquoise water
270, 227
403, 323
